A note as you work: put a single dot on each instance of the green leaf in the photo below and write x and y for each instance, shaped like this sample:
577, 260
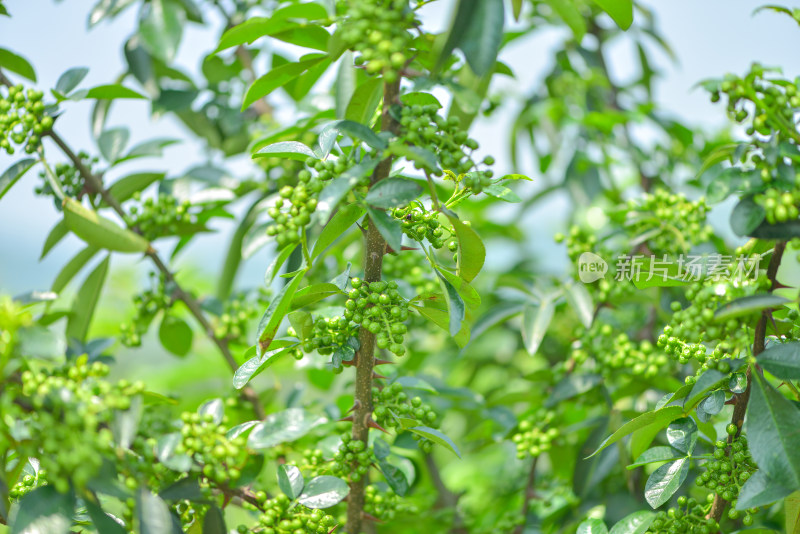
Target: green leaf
747, 305
342, 221
471, 251
783, 231
619, 10
308, 36
682, 434
278, 77
126, 423
279, 21
364, 101
57, 233
215, 408
571, 15
571, 386
437, 437
710, 406
468, 294
148, 149
282, 427
112, 92
124, 188
39, 342
580, 300
442, 319
413, 382
791, 506
393, 192
314, 293
358, 131
323, 492
153, 512
162, 29
255, 365
656, 418
175, 335
782, 360
708, 381
635, 523
286, 149
102, 521
759, 490
388, 227
592, 526
477, 29
14, 173
773, 431
655, 455
99, 231
746, 216
394, 477
43, 510
535, 320
421, 157
85, 302
502, 192
112, 142
419, 99
277, 310
455, 304
290, 480
72, 268
70, 79
15, 63
214, 522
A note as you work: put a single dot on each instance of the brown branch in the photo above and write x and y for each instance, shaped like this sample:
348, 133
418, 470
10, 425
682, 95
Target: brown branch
740, 400
374, 249
529, 495
447, 498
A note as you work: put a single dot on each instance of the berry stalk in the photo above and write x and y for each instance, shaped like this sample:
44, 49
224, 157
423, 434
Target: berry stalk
374, 249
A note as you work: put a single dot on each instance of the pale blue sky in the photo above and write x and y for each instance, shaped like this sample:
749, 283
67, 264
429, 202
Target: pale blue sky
710, 37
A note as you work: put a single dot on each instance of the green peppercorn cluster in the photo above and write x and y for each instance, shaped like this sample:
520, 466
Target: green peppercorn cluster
408, 267
300, 202
385, 506
379, 308
766, 103
780, 206
353, 459
378, 31
234, 322
313, 462
329, 334
204, 440
682, 222
68, 177
27, 484
533, 437
161, 216
392, 404
420, 224
148, 304
22, 119
580, 240
422, 126
612, 351
280, 517
726, 474
69, 427
688, 516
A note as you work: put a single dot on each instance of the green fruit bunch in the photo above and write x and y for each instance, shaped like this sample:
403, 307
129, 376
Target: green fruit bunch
392, 404
281, 517
423, 127
420, 224
28, 483
353, 459
22, 119
313, 462
385, 506
379, 308
148, 304
68, 177
780, 205
379, 31
533, 436
579, 240
688, 516
762, 100
409, 268
682, 222
72, 410
204, 440
293, 209
234, 322
731, 468
162, 216
612, 351
330, 334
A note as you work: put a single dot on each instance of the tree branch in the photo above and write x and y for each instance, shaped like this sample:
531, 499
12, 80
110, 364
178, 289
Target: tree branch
374, 249
530, 494
740, 401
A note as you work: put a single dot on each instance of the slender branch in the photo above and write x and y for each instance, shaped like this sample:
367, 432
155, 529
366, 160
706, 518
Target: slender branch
375, 248
740, 401
529, 495
95, 184
447, 499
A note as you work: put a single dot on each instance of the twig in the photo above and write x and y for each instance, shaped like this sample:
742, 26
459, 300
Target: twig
530, 494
